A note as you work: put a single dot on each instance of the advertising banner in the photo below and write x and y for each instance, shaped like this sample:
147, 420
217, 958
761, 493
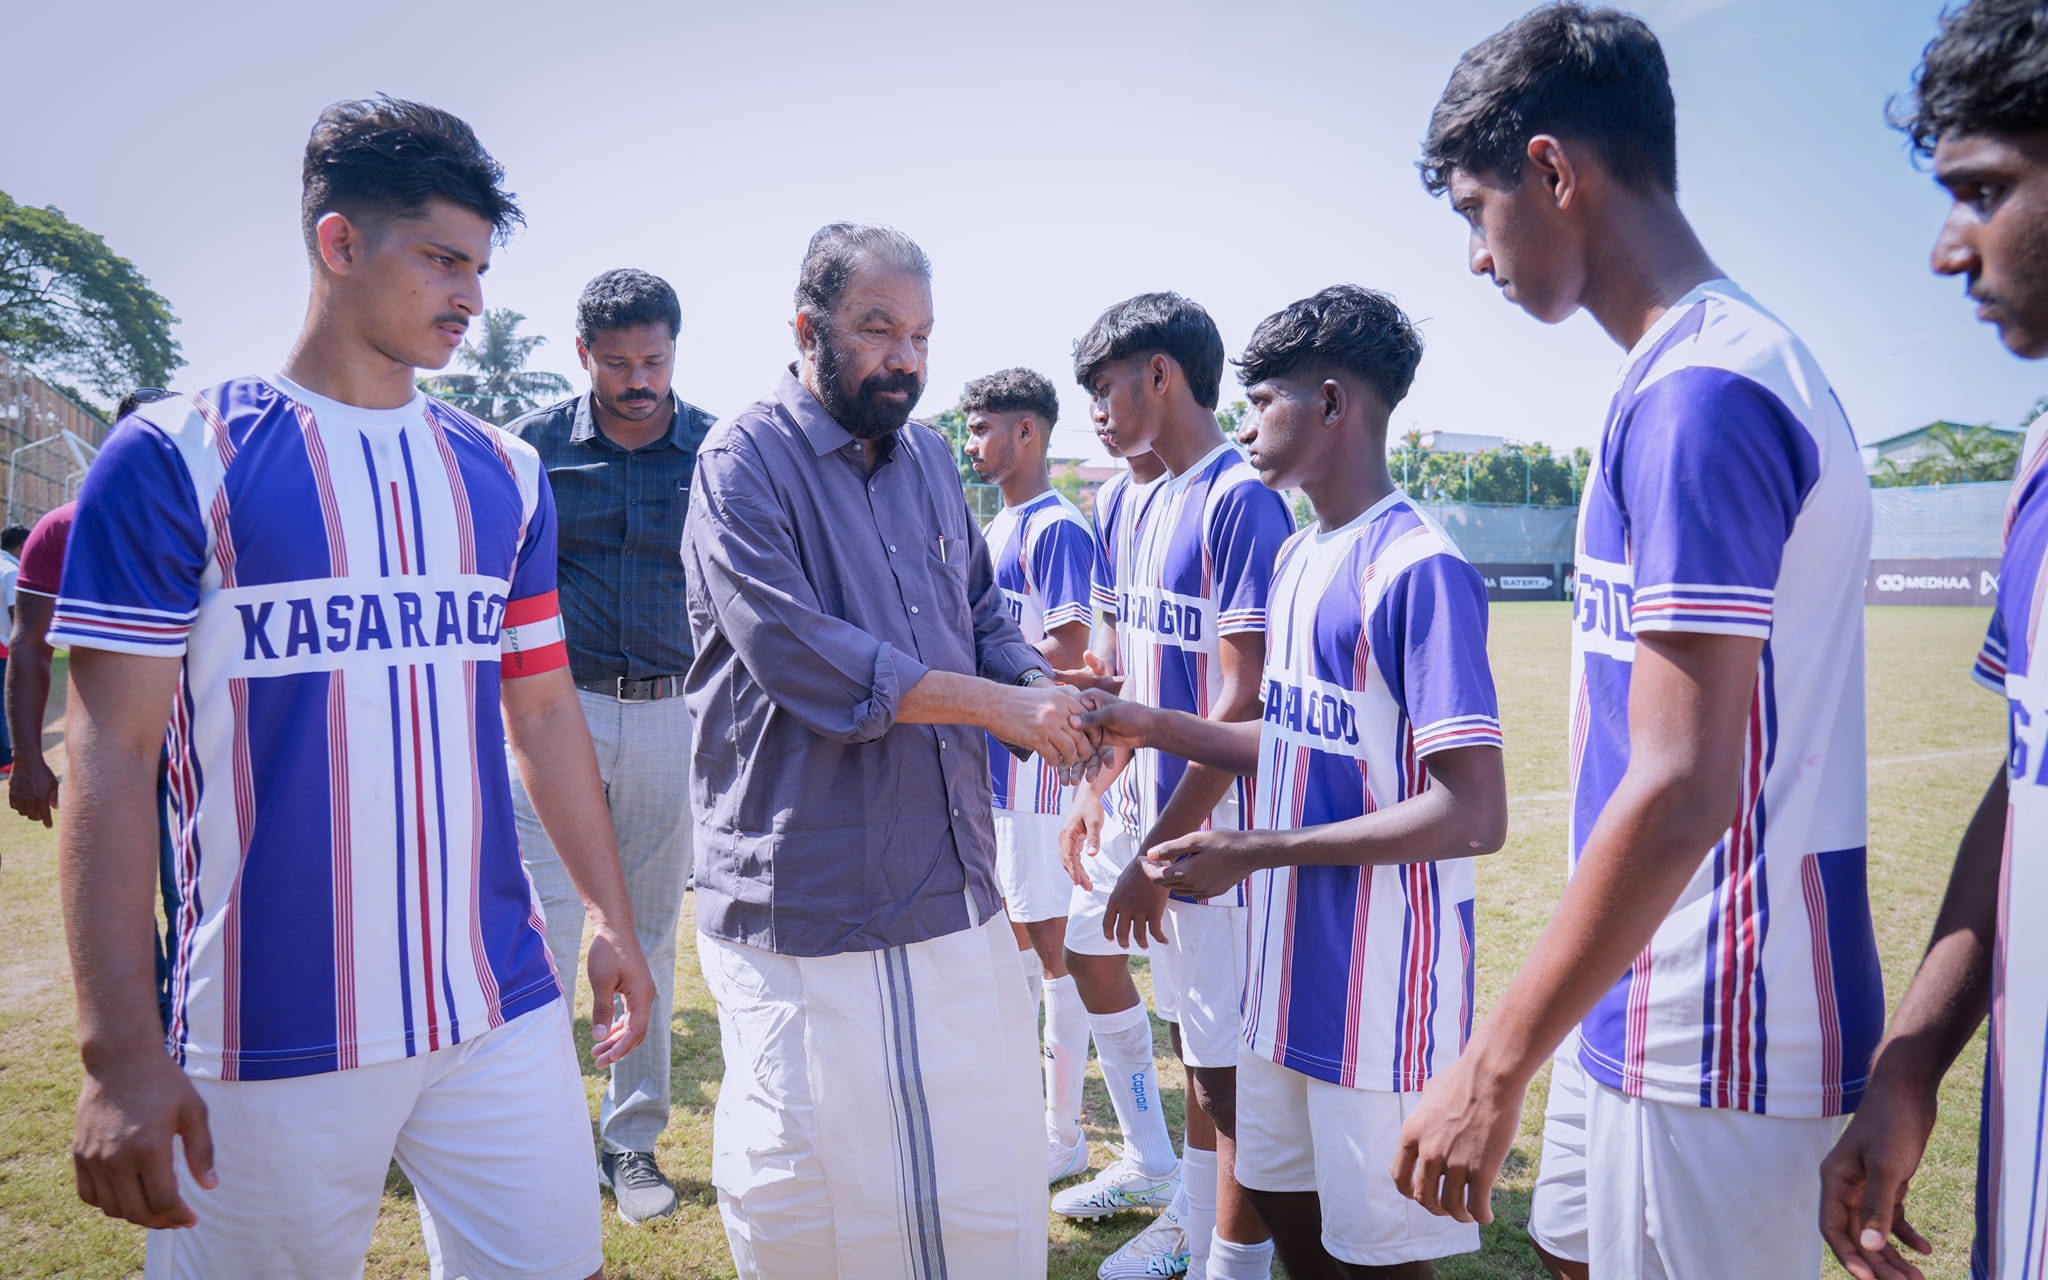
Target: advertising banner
1522, 581
1971, 581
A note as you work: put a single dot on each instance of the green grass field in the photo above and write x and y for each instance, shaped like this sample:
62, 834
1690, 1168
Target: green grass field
1934, 740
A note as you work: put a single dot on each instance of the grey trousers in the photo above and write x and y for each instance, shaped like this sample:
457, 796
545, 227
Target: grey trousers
643, 756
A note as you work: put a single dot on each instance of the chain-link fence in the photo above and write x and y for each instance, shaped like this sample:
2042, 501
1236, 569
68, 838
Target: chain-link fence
47, 440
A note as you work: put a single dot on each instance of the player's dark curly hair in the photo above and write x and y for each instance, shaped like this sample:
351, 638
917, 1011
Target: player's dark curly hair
626, 298
1155, 323
384, 157
1986, 72
1595, 76
1359, 331
1013, 391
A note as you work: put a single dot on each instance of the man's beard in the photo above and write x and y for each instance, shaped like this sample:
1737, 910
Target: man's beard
862, 411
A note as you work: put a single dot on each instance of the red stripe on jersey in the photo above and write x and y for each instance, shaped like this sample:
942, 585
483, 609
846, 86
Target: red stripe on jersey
532, 609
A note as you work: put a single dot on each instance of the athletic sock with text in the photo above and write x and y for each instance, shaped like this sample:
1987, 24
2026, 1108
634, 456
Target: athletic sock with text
1124, 1043
1066, 1057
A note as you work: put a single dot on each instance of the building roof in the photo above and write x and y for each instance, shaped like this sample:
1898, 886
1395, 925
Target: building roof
1906, 437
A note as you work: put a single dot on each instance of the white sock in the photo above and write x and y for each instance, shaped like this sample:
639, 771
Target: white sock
1124, 1043
1229, 1260
1066, 1057
1198, 1181
1034, 977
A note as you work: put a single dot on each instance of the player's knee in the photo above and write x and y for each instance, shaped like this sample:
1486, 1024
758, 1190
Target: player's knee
1216, 1094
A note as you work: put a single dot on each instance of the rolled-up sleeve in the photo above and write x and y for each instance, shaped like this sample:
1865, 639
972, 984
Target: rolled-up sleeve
740, 552
1001, 653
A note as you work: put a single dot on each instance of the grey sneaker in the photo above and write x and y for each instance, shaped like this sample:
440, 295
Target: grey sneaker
1160, 1250
638, 1185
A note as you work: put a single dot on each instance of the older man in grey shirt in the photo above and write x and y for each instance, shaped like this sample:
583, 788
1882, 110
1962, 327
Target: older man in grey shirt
880, 1110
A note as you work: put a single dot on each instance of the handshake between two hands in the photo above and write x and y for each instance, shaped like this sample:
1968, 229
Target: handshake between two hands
1073, 724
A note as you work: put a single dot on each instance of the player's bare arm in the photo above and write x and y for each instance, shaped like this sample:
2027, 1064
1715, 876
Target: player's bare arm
32, 787
1081, 832
134, 1098
550, 743
1864, 1180
1232, 746
1136, 905
1461, 814
1689, 705
1065, 647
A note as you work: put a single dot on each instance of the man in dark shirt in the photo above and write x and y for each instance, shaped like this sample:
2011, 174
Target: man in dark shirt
881, 1111
620, 460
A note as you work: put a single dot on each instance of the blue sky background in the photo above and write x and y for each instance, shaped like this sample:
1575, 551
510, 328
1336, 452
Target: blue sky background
1052, 158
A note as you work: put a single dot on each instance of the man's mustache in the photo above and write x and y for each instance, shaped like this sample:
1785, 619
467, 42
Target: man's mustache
631, 396
904, 381
453, 317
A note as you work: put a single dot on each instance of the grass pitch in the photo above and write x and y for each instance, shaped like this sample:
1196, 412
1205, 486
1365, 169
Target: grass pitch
1934, 741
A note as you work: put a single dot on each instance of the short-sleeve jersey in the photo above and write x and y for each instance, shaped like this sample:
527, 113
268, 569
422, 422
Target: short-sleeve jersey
42, 556
2012, 1191
1117, 504
1044, 554
1375, 661
1728, 497
1200, 566
345, 587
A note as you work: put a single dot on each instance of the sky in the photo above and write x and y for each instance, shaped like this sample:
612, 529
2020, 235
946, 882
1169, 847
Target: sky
1051, 157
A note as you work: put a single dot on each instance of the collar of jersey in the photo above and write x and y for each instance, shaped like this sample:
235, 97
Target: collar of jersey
1672, 315
338, 414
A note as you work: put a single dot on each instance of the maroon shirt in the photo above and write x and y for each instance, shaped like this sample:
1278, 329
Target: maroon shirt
42, 556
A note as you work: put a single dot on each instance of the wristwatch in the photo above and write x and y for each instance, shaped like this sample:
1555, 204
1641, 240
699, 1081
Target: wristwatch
1034, 676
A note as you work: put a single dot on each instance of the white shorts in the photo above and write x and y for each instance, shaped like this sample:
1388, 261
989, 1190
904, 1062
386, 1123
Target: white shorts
1034, 885
1297, 1133
882, 1113
1087, 908
494, 1133
1205, 974
1661, 1191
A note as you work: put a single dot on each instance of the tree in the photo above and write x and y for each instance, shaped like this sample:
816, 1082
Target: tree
499, 386
1230, 416
1515, 475
1958, 455
71, 308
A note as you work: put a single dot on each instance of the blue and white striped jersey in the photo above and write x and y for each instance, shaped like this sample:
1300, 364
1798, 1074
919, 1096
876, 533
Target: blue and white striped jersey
346, 588
1728, 497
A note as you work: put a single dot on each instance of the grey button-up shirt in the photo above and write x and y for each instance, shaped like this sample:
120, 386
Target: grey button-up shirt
818, 594
618, 523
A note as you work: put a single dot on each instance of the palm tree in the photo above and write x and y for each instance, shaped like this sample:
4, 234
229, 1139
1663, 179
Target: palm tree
1972, 453
499, 386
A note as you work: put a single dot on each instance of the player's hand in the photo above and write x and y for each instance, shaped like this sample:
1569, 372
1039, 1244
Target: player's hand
1136, 907
1202, 864
121, 1149
1863, 1182
1039, 718
32, 789
618, 969
1117, 723
1454, 1141
1092, 674
1081, 837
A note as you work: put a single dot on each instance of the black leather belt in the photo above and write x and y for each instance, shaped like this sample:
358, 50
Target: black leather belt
647, 689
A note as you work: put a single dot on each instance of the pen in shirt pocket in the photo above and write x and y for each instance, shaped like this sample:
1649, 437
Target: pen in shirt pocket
942, 548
